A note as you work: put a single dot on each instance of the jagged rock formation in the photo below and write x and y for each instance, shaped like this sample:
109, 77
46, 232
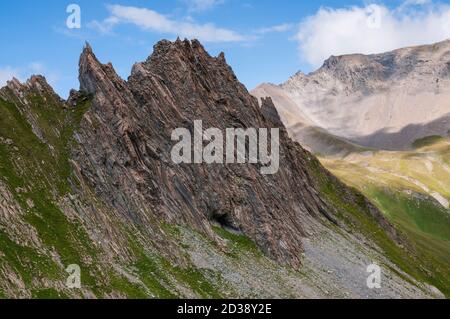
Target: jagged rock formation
139, 116
90, 181
384, 101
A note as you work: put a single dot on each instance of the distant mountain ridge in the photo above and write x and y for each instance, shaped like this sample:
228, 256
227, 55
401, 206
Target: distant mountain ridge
384, 101
381, 123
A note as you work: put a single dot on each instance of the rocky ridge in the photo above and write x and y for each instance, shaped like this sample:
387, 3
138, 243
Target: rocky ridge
90, 181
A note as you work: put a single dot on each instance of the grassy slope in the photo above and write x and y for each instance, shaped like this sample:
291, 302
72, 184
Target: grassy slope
381, 177
33, 170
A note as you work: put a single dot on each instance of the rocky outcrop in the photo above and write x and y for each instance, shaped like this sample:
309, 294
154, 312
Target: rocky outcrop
126, 143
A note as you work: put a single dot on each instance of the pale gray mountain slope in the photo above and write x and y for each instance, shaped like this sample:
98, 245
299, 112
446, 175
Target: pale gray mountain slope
384, 101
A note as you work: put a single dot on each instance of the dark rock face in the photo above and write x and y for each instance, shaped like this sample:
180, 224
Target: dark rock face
126, 142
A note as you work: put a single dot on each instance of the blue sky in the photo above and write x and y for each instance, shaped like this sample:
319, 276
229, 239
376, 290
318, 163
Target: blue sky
264, 41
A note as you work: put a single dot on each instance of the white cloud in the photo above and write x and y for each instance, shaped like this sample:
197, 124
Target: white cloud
415, 2
371, 29
202, 5
153, 21
276, 28
104, 27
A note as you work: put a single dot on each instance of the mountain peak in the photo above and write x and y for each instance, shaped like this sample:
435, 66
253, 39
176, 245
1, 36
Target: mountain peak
374, 100
179, 48
87, 56
182, 50
39, 82
348, 60
89, 67
182, 60
92, 73
36, 83
87, 46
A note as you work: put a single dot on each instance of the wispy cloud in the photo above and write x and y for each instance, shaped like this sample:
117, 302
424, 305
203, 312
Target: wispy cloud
276, 28
371, 29
152, 21
415, 3
202, 5
73, 33
36, 67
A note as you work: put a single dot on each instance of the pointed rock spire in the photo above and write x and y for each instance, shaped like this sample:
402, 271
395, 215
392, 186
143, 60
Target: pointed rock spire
89, 68
93, 75
270, 112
